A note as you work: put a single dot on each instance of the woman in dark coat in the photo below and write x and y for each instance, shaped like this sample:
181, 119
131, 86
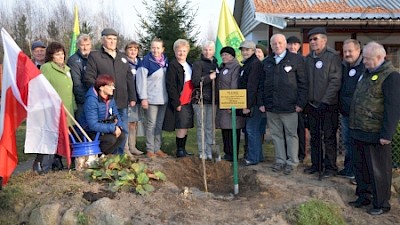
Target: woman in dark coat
179, 113
228, 79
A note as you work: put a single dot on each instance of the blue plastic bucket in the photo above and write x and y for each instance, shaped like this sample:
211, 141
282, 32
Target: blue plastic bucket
86, 148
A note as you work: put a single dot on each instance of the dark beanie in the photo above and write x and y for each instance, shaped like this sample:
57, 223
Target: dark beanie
228, 50
263, 49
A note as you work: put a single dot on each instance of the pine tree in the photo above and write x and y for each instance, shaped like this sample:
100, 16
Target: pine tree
169, 20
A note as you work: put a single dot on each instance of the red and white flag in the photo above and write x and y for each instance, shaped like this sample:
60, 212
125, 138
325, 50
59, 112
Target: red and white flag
27, 94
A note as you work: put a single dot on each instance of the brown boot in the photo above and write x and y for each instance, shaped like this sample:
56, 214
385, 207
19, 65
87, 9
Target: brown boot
132, 140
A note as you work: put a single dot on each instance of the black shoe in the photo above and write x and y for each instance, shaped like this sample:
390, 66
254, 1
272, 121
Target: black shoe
57, 164
247, 163
378, 211
228, 158
359, 202
37, 167
344, 173
310, 170
328, 173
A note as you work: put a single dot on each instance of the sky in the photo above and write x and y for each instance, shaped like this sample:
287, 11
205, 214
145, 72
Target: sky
207, 15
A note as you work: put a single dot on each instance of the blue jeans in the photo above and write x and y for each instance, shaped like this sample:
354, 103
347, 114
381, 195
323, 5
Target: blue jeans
348, 158
123, 113
253, 135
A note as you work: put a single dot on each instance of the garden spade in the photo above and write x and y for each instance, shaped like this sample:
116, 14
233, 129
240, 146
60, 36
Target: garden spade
214, 147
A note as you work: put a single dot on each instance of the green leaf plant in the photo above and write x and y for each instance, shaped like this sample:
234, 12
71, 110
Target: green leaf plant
123, 174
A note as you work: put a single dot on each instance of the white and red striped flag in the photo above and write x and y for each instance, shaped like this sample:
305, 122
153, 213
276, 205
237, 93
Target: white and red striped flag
27, 94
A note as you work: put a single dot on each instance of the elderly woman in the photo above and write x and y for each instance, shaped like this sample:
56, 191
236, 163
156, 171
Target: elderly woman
228, 76
59, 76
152, 91
204, 70
134, 112
100, 114
179, 114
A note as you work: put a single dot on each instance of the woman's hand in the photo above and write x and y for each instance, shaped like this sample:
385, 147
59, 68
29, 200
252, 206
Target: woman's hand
117, 131
179, 108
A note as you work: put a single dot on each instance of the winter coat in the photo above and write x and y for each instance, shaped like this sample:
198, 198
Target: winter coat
77, 63
95, 112
150, 81
61, 81
324, 73
100, 62
252, 79
201, 72
228, 79
175, 82
350, 77
285, 85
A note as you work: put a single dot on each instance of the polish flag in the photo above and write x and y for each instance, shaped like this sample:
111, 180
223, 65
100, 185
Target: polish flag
27, 94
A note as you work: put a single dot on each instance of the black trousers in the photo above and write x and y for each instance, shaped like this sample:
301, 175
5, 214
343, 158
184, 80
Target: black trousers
108, 142
301, 133
373, 172
227, 138
329, 119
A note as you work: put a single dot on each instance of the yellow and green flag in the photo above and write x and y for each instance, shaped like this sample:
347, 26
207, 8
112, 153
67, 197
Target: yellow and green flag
75, 32
228, 34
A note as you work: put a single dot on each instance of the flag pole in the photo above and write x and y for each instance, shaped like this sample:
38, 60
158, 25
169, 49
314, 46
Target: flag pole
77, 124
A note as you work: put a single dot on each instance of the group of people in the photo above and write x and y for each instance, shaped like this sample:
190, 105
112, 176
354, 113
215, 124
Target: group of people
111, 91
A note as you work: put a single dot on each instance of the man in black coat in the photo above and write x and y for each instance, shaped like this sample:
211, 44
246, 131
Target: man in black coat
285, 95
108, 60
324, 70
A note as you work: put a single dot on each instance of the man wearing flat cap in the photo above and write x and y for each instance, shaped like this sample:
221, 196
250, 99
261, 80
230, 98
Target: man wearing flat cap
324, 71
38, 53
252, 79
108, 60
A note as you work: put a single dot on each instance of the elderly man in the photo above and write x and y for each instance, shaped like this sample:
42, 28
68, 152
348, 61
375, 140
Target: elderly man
77, 62
38, 53
293, 44
324, 71
108, 60
251, 78
374, 115
352, 70
285, 94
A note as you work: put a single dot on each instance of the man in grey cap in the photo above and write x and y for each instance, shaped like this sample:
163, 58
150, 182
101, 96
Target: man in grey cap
38, 53
252, 79
324, 71
108, 60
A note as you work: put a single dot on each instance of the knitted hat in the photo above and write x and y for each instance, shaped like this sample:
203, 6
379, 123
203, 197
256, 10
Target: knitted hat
228, 50
263, 49
293, 39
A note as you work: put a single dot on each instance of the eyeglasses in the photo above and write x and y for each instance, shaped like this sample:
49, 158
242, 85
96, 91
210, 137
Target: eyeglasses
111, 85
313, 39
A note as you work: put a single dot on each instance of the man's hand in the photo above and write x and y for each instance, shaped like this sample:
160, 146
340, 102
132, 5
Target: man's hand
262, 108
145, 104
384, 141
132, 103
298, 109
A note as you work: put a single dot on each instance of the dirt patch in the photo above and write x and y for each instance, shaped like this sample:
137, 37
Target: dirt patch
264, 197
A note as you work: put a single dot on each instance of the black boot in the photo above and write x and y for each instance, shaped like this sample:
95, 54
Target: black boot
180, 145
57, 163
184, 145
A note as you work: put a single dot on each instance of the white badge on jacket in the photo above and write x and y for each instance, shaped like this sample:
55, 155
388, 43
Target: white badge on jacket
287, 68
319, 64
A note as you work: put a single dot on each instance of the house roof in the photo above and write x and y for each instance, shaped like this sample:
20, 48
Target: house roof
330, 9
307, 13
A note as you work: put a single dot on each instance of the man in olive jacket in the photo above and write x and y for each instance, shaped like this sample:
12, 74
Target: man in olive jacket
374, 115
108, 60
324, 70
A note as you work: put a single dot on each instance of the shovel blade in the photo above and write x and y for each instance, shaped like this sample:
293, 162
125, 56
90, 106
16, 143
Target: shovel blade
215, 152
